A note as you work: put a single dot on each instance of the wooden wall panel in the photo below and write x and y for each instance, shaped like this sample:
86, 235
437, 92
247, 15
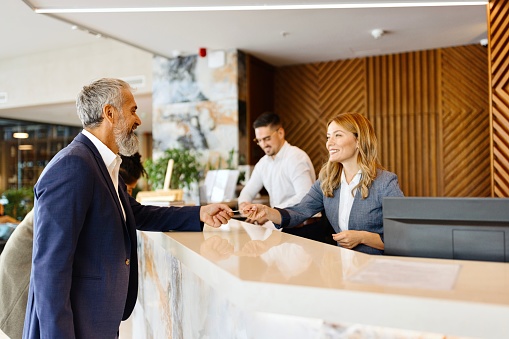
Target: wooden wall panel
465, 119
429, 110
403, 108
498, 32
308, 96
297, 102
260, 99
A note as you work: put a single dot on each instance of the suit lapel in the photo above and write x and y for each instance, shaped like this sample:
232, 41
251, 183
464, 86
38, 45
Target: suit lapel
130, 223
333, 215
104, 171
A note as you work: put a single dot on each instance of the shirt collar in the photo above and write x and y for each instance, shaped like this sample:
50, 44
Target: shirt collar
355, 179
107, 155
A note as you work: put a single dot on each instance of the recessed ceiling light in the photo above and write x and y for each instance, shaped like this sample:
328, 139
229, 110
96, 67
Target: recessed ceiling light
20, 135
263, 7
25, 147
377, 33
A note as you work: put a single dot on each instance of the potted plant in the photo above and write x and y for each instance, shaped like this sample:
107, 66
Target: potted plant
186, 169
18, 202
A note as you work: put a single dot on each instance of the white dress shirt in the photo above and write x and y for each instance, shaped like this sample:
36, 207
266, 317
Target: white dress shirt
346, 199
287, 177
111, 160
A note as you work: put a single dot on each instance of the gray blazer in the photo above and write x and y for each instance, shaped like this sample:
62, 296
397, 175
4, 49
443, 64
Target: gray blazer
15, 265
366, 214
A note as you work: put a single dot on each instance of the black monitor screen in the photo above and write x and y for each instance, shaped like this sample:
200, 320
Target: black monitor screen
448, 228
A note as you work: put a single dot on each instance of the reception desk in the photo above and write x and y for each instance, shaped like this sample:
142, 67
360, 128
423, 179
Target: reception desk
247, 281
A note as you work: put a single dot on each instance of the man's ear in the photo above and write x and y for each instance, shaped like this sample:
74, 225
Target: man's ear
108, 111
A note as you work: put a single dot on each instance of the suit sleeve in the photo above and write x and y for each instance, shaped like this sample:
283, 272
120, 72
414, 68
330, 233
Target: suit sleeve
311, 204
153, 218
389, 189
392, 189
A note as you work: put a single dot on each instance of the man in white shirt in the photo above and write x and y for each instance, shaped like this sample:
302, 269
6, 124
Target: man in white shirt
285, 171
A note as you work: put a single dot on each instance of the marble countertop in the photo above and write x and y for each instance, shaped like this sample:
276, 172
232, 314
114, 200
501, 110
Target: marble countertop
261, 269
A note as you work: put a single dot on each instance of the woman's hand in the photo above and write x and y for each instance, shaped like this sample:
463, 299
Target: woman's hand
260, 213
350, 239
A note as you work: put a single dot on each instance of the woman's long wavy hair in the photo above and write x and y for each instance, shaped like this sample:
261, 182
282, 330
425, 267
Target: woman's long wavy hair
367, 158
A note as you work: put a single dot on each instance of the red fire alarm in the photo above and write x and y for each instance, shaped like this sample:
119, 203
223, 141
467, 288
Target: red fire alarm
202, 52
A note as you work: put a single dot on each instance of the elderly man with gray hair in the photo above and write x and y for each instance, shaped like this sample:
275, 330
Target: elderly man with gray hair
84, 277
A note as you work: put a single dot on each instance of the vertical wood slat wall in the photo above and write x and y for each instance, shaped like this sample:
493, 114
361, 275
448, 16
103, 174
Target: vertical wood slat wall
429, 109
498, 32
405, 116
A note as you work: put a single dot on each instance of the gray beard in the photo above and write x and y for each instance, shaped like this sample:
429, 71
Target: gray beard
127, 143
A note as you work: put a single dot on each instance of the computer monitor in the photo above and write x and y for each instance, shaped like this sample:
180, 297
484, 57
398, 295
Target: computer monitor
448, 228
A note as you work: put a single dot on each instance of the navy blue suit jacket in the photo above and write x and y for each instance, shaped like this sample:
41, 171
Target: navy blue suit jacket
366, 214
84, 276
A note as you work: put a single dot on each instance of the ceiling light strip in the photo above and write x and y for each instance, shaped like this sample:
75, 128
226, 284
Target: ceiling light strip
256, 7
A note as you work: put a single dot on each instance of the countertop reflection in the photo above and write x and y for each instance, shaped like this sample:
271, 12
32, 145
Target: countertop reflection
255, 253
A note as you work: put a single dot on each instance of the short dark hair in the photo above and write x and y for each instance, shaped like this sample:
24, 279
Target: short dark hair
131, 168
267, 119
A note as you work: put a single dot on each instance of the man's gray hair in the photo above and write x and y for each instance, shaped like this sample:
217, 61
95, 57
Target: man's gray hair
92, 99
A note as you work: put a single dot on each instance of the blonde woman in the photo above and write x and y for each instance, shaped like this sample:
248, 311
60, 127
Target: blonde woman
350, 188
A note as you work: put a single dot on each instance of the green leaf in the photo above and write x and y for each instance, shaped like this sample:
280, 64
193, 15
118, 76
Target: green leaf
186, 169
20, 202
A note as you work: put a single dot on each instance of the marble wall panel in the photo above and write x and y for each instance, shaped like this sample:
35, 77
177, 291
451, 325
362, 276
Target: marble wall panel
196, 107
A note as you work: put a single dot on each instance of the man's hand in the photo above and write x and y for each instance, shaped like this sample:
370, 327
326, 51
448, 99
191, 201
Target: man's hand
215, 215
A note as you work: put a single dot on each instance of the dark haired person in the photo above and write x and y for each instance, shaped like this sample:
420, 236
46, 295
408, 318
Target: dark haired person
131, 170
285, 171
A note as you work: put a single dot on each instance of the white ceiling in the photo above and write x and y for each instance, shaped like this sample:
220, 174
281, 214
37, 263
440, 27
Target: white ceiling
279, 37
